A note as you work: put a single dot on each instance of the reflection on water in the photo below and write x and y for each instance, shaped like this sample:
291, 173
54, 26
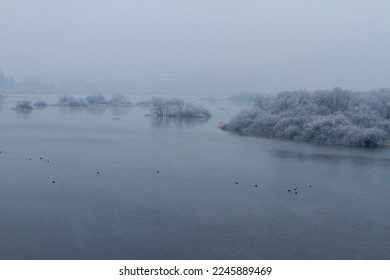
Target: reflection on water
179, 123
360, 159
40, 108
71, 110
95, 110
24, 114
119, 110
192, 208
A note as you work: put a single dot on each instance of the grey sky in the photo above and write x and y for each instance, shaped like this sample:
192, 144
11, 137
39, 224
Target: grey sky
211, 45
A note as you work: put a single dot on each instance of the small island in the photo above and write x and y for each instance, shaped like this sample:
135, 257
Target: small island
335, 117
177, 108
93, 100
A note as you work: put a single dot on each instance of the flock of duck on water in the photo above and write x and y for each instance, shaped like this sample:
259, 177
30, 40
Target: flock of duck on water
295, 190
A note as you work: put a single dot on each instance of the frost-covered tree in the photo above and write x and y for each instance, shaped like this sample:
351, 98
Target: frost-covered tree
72, 102
40, 104
382, 98
96, 99
93, 100
333, 100
336, 116
119, 100
177, 108
23, 105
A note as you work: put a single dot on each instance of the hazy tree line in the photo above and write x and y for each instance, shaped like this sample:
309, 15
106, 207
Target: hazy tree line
160, 107
336, 116
23, 105
93, 100
69, 101
177, 108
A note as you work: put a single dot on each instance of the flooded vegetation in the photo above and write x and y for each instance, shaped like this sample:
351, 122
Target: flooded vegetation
177, 108
23, 105
336, 117
95, 183
93, 100
194, 130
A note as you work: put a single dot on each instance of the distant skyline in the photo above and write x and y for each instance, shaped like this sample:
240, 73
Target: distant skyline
219, 46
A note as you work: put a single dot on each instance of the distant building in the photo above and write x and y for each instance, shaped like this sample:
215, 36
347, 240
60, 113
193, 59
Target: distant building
6, 82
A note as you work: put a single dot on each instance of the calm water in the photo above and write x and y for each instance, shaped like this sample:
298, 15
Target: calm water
192, 208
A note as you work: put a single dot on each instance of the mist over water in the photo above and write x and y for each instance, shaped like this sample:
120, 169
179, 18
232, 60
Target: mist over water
182, 191
92, 167
197, 47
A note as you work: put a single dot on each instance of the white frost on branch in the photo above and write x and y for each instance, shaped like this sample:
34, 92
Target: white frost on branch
337, 116
177, 108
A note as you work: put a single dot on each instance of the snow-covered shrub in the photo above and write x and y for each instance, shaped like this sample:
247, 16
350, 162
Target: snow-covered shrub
40, 104
96, 99
333, 100
72, 102
195, 111
177, 108
23, 105
119, 100
336, 116
93, 100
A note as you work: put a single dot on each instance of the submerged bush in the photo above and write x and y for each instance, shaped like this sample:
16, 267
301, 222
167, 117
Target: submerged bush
93, 100
23, 105
119, 100
96, 99
40, 104
72, 102
337, 116
177, 108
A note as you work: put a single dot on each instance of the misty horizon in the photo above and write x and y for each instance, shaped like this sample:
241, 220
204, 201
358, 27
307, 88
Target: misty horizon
194, 130
219, 47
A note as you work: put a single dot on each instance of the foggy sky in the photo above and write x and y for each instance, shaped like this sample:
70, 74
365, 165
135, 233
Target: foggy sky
214, 46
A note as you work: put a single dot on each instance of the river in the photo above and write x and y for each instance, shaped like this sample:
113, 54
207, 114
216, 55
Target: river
115, 184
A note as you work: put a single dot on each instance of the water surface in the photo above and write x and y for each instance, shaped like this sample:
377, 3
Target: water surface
181, 190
